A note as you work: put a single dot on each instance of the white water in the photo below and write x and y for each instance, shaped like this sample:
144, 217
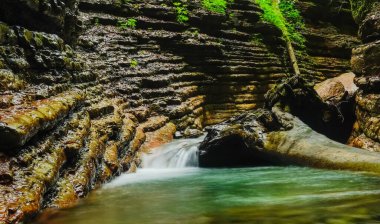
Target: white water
176, 159
177, 154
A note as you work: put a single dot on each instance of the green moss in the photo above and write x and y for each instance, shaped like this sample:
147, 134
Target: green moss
360, 8
217, 6
4, 29
284, 16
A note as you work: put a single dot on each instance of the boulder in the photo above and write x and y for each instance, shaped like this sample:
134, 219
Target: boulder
274, 137
332, 114
337, 89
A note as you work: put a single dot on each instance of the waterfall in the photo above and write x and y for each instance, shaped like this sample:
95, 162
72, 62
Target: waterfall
177, 154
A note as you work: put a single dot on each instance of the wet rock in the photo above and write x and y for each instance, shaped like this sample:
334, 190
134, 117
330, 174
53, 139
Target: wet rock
278, 138
18, 125
178, 135
6, 172
192, 133
141, 83
333, 118
159, 137
365, 61
370, 26
226, 144
59, 17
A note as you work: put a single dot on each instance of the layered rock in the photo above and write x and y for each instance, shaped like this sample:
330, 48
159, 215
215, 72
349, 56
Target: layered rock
330, 33
74, 119
52, 16
365, 62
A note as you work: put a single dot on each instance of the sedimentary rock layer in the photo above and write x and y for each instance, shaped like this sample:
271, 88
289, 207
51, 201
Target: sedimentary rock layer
74, 116
365, 62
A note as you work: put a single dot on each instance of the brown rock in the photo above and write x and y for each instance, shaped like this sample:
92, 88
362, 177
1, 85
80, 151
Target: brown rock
335, 89
6, 173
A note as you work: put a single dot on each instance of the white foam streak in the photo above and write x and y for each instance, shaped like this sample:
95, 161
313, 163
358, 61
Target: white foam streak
177, 154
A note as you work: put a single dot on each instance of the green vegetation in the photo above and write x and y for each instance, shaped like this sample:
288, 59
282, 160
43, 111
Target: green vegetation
182, 11
360, 8
218, 6
126, 24
284, 16
133, 63
193, 32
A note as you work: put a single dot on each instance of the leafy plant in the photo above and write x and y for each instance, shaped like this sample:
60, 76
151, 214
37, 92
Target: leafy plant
133, 63
129, 23
218, 6
286, 17
293, 21
182, 11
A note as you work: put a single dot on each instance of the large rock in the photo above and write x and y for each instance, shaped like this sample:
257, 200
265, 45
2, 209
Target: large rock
330, 113
278, 138
338, 89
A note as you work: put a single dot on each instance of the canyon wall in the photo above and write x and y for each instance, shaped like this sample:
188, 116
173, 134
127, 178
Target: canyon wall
366, 64
88, 85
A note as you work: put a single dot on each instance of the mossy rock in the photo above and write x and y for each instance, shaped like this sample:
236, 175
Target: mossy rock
360, 8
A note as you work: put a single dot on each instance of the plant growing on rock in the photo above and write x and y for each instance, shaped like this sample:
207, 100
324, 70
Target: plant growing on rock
126, 24
182, 11
133, 63
218, 6
284, 15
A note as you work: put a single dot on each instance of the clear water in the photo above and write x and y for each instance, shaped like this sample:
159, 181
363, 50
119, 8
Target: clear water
242, 195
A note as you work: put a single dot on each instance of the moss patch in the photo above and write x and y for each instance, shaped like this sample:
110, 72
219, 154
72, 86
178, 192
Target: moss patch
360, 8
286, 17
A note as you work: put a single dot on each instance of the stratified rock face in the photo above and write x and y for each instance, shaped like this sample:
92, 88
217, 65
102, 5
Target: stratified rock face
71, 120
52, 16
365, 62
331, 33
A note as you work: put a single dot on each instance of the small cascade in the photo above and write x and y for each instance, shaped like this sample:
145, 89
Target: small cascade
177, 154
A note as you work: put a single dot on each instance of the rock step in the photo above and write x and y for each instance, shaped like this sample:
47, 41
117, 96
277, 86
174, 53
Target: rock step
18, 124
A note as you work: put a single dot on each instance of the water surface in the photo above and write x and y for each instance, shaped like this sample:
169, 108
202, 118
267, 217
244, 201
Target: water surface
170, 189
245, 195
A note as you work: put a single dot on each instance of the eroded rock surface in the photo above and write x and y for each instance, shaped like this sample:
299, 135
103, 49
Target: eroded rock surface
366, 64
276, 138
74, 116
331, 111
